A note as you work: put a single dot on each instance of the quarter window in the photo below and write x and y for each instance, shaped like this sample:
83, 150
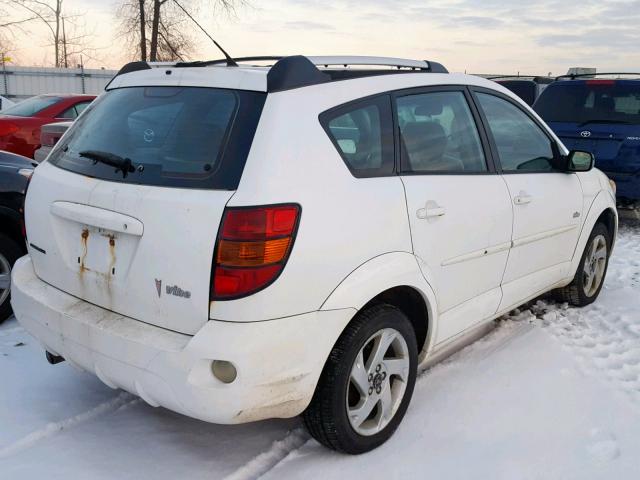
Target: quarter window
363, 135
438, 134
521, 143
69, 113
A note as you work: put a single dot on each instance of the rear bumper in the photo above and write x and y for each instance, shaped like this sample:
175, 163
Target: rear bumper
278, 362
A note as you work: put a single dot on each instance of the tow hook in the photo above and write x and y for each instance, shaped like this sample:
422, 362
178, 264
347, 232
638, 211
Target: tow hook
53, 359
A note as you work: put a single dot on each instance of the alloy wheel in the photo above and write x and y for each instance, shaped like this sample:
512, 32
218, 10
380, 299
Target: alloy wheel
378, 381
595, 265
5, 279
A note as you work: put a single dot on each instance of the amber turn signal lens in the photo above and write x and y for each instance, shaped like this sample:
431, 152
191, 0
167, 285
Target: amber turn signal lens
252, 254
252, 248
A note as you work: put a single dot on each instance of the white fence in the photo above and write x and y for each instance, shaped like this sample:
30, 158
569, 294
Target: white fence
17, 83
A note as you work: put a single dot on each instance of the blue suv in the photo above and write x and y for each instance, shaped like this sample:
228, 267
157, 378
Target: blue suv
601, 116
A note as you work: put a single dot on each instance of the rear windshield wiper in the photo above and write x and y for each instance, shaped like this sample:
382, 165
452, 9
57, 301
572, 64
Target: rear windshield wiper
123, 165
622, 122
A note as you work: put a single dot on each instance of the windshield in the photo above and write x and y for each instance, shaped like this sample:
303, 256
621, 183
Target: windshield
31, 106
173, 136
584, 101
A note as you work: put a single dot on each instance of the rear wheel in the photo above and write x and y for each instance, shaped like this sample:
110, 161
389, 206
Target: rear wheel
367, 382
9, 253
589, 278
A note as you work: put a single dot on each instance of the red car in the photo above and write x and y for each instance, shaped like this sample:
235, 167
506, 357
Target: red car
20, 124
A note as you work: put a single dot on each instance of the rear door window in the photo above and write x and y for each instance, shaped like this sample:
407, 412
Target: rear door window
174, 136
363, 135
438, 134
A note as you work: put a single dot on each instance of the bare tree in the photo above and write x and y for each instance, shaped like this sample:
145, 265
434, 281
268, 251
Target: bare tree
66, 33
158, 27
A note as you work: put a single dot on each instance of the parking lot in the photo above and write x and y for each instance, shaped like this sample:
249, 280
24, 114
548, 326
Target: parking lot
552, 392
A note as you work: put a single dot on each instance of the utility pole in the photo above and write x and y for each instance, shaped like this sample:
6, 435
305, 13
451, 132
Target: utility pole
84, 90
4, 74
64, 45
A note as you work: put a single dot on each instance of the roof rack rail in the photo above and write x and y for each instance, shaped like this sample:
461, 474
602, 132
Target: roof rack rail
298, 71
220, 61
573, 76
533, 78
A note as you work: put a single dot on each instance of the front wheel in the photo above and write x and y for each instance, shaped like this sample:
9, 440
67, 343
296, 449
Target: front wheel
589, 278
367, 382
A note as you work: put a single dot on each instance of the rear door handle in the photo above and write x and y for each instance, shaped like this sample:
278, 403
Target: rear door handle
430, 210
522, 198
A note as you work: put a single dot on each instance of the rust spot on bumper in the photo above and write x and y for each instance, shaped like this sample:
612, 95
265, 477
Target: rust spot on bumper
112, 253
83, 238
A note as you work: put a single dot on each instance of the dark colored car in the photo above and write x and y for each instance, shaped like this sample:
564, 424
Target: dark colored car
20, 124
15, 172
601, 116
527, 88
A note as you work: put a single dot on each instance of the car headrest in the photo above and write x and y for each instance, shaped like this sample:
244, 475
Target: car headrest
432, 107
425, 143
605, 104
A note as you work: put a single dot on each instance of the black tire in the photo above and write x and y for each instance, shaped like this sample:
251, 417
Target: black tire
574, 293
10, 251
326, 416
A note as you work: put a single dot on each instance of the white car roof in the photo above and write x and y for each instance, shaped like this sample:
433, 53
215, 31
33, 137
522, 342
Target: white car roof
217, 74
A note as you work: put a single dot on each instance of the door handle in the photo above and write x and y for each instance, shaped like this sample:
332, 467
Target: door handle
522, 198
430, 210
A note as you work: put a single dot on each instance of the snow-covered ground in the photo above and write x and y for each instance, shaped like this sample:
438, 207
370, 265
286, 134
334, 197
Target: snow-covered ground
552, 393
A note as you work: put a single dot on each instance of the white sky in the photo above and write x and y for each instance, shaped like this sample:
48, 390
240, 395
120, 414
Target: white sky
480, 36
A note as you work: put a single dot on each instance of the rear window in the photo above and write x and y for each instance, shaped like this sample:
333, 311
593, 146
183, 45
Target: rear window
174, 136
31, 106
525, 89
590, 101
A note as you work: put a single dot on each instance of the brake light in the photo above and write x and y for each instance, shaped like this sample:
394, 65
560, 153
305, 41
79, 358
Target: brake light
600, 82
7, 128
49, 139
252, 249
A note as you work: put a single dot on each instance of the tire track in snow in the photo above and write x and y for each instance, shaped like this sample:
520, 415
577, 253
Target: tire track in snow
267, 460
10, 331
606, 345
53, 428
605, 336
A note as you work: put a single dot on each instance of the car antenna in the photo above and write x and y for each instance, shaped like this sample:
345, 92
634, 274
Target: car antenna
230, 61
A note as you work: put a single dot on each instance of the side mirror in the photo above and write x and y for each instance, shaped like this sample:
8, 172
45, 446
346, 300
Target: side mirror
579, 161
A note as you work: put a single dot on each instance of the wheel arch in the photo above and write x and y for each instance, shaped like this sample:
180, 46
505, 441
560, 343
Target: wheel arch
396, 279
603, 210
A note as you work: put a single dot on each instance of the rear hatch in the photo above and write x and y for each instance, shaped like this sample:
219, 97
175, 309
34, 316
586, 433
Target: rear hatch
599, 116
124, 213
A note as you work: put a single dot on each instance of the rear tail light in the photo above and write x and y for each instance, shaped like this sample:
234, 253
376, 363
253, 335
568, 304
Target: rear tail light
7, 128
252, 249
49, 139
